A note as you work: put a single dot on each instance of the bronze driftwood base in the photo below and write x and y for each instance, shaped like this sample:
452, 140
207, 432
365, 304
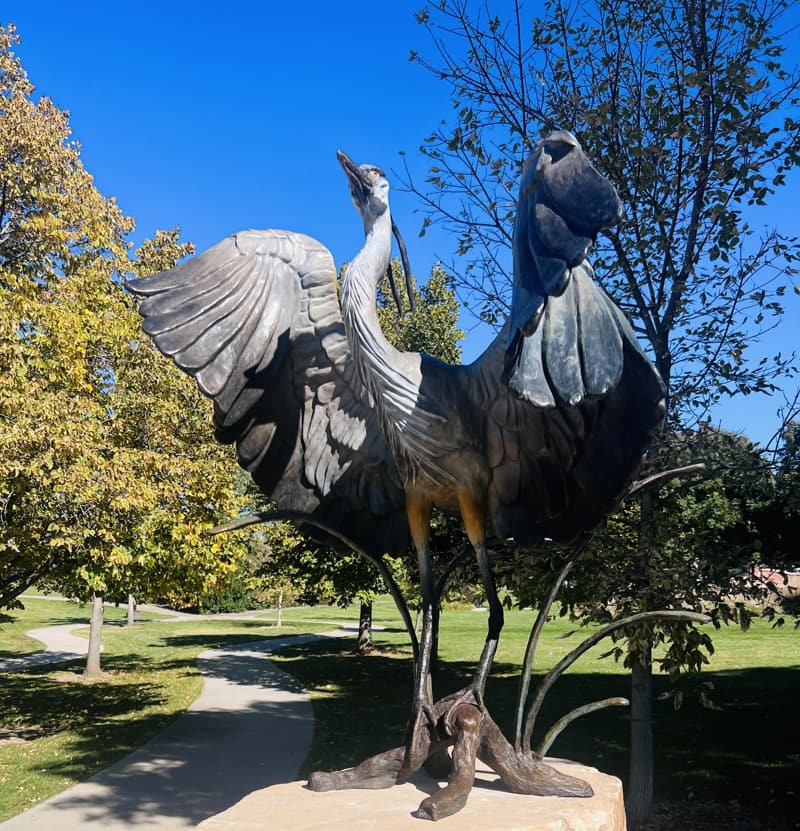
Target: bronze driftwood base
472, 733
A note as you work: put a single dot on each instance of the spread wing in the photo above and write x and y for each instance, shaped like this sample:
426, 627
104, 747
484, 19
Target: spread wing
566, 433
255, 321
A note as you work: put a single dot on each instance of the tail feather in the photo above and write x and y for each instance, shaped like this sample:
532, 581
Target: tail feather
577, 350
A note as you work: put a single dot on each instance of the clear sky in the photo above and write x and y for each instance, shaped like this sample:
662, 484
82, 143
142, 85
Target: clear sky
218, 118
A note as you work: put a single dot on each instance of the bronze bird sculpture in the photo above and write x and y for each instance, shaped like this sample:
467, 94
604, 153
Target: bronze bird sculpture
538, 439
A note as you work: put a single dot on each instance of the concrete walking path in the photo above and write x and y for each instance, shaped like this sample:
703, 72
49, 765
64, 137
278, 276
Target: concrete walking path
251, 727
59, 645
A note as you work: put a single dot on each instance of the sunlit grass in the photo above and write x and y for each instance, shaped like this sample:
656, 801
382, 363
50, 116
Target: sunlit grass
747, 750
39, 613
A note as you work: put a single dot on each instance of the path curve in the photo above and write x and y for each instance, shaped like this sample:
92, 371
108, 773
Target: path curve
251, 727
59, 645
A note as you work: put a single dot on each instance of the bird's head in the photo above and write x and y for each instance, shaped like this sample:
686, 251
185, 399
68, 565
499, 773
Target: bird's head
559, 176
369, 188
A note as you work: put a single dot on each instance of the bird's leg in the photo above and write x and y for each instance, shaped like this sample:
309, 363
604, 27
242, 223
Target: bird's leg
496, 620
422, 723
473, 515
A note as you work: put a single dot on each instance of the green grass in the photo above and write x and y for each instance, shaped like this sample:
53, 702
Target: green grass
39, 613
747, 750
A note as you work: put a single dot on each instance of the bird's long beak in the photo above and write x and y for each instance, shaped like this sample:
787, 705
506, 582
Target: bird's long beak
359, 183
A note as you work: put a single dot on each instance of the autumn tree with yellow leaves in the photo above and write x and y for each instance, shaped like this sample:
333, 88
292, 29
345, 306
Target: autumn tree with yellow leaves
108, 471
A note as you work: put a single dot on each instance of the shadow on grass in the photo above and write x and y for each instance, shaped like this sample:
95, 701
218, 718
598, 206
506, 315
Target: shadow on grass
747, 751
35, 700
211, 641
192, 770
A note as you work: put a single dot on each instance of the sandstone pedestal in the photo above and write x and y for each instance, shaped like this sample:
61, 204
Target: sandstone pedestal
292, 807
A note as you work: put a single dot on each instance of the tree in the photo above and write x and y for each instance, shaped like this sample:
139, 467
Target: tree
778, 520
688, 110
99, 495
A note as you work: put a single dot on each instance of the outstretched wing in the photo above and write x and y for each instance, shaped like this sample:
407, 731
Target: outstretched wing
567, 434
255, 320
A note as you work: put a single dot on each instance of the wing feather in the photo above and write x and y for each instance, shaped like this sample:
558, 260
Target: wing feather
256, 321
560, 344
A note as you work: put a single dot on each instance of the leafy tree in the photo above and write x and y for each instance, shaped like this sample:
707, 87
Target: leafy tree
104, 484
687, 108
778, 520
433, 326
703, 555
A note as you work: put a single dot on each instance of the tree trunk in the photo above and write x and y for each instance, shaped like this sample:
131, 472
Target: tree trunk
639, 797
364, 629
95, 631
279, 616
131, 610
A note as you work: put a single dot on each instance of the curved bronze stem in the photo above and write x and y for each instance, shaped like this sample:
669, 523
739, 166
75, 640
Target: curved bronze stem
530, 653
568, 660
665, 476
553, 733
442, 581
299, 516
533, 641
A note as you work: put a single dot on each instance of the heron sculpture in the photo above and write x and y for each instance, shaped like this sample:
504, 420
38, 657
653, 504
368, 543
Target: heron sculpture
537, 440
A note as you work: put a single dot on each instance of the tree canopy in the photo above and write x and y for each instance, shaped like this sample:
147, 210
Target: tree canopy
106, 477
687, 109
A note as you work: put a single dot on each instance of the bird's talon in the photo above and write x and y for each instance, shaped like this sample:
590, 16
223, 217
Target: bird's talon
421, 732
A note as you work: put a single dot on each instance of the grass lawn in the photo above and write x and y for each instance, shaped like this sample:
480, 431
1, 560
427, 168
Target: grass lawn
63, 730
38, 613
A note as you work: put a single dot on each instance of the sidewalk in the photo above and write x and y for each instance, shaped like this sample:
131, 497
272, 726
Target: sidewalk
59, 645
251, 727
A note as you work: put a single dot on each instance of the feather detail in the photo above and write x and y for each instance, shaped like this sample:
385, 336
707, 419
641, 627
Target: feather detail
255, 320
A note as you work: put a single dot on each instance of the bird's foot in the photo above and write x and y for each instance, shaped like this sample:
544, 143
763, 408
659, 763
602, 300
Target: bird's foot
466, 720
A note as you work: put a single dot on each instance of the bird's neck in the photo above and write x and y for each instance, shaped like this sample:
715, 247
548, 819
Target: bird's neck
362, 276
384, 370
359, 288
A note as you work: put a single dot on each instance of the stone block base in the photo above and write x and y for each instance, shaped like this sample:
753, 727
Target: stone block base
292, 807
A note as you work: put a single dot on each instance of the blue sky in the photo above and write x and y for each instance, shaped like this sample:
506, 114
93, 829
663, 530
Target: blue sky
218, 118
